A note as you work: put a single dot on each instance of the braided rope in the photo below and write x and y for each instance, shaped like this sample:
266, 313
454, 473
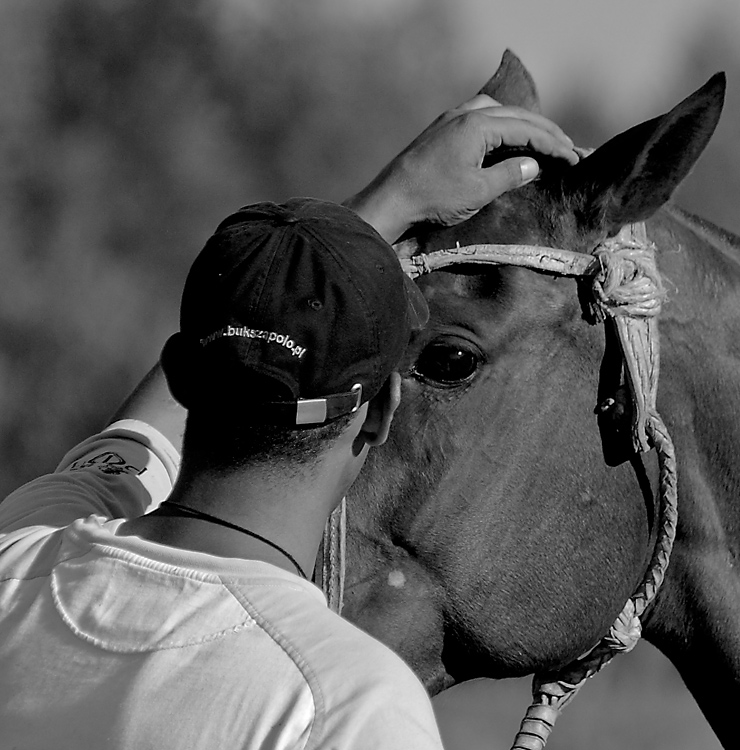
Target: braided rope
552, 692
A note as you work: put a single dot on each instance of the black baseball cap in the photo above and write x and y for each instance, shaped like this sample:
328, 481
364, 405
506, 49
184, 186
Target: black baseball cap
296, 313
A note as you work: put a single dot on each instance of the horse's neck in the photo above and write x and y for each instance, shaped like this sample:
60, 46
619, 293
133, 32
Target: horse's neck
700, 320
715, 239
696, 621
699, 386
700, 266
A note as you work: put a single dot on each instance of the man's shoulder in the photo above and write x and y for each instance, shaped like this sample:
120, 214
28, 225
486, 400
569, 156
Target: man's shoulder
329, 650
358, 685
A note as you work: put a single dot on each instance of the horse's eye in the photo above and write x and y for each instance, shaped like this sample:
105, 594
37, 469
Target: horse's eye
446, 364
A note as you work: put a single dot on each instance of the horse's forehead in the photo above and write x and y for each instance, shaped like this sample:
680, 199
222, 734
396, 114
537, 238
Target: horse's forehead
466, 290
459, 286
528, 216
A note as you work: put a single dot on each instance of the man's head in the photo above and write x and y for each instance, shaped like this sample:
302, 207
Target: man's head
292, 316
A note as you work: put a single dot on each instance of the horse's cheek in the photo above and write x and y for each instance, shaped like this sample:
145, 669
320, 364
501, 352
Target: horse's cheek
389, 592
398, 603
538, 550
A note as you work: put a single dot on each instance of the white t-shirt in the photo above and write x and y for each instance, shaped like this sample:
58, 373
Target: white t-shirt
117, 642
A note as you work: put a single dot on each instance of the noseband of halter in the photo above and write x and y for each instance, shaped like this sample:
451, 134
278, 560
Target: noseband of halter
626, 293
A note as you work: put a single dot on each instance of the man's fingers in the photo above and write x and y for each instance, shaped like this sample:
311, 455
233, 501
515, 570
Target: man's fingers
531, 117
522, 133
480, 105
440, 177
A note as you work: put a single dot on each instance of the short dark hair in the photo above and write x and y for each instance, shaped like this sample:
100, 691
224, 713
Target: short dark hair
226, 444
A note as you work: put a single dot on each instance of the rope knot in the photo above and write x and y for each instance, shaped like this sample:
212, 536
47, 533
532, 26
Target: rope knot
628, 282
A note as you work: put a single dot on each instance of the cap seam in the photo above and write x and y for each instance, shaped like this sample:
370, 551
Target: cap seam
275, 238
368, 311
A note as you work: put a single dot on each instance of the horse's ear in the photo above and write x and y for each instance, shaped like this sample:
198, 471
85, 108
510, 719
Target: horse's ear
635, 173
512, 85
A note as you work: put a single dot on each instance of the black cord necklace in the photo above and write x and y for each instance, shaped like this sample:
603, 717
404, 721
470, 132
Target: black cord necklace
213, 519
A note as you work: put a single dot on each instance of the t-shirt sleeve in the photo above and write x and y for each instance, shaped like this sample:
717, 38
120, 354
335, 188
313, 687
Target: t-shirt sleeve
125, 470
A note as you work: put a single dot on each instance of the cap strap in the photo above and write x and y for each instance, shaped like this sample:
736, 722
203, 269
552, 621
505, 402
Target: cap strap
315, 411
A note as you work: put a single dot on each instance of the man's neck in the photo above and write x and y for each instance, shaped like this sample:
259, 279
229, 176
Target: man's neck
289, 509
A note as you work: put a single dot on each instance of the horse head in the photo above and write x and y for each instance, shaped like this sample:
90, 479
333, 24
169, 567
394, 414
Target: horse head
503, 526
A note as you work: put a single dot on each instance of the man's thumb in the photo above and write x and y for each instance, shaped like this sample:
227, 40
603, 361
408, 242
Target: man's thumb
529, 169
510, 174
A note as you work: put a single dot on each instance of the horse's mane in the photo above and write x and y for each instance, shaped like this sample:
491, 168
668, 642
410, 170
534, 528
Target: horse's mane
720, 238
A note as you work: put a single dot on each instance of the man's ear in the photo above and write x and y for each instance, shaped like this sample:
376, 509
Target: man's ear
177, 364
380, 411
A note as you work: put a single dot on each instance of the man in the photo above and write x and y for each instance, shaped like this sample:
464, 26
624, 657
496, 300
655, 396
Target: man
138, 614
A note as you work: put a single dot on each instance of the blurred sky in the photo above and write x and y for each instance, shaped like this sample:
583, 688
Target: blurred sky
630, 48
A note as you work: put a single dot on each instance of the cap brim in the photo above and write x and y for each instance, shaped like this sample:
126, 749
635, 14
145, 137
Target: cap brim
417, 310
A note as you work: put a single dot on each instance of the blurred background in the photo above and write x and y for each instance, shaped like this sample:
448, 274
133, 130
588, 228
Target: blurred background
129, 128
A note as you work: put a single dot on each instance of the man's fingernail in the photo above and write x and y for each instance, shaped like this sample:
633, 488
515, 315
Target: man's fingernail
530, 169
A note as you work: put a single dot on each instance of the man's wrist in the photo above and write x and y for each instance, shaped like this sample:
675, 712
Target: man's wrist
384, 208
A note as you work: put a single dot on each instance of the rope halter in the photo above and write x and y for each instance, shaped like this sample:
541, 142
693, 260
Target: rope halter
626, 293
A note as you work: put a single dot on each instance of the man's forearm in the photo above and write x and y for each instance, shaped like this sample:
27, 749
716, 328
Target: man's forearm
152, 402
384, 207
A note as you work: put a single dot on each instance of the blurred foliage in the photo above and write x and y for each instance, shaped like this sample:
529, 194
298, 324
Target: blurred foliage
129, 128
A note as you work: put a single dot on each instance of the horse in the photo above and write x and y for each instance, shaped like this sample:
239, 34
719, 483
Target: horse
503, 526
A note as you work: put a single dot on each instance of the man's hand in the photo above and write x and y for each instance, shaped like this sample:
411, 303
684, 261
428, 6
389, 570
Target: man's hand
439, 177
